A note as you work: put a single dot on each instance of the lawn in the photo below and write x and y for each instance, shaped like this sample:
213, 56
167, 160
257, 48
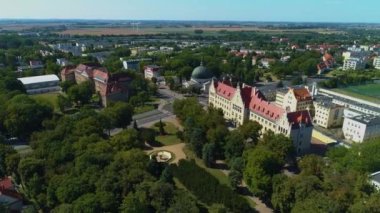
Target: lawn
171, 137
369, 92
222, 178
48, 98
142, 109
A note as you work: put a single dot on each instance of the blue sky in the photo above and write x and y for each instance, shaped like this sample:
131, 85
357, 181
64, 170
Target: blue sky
241, 10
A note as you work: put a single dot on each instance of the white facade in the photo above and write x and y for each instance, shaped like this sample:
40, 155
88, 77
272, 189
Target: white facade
233, 107
328, 114
376, 63
361, 128
152, 72
363, 106
353, 64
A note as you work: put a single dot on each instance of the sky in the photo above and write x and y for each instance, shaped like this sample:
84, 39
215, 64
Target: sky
224, 10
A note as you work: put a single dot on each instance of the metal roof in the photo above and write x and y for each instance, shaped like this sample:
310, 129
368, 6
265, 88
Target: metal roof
38, 79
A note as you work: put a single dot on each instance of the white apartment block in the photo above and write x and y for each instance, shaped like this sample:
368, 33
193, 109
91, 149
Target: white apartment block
361, 128
376, 62
353, 64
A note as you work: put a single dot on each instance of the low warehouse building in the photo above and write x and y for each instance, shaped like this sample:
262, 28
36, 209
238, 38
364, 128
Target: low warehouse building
41, 84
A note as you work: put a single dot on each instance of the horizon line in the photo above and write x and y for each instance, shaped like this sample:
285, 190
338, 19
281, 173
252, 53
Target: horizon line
182, 20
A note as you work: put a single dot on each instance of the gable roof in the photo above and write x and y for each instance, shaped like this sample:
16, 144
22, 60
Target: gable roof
299, 117
224, 89
301, 94
264, 108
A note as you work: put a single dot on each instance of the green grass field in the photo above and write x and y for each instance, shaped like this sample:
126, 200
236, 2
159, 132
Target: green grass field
369, 92
48, 98
170, 138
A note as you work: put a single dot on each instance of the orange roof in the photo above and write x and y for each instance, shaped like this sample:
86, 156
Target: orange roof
327, 57
301, 94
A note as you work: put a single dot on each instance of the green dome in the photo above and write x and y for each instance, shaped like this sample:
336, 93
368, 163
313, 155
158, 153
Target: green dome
201, 72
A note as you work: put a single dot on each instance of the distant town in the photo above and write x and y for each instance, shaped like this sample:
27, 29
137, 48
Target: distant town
197, 116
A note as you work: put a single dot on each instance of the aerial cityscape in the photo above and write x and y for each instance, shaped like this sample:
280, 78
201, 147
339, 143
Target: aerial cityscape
189, 106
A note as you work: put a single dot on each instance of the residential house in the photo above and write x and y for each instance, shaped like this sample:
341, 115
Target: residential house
327, 63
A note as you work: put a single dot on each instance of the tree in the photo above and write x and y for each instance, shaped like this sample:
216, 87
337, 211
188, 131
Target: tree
132, 204
87, 203
5, 152
161, 195
261, 165
82, 93
367, 205
66, 85
312, 165
63, 102
208, 154
147, 135
120, 114
251, 130
161, 128
25, 115
126, 140
234, 145
235, 178
135, 125
283, 193
183, 203
316, 203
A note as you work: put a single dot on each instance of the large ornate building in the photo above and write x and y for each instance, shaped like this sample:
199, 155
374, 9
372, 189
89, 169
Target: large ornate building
200, 78
110, 87
244, 102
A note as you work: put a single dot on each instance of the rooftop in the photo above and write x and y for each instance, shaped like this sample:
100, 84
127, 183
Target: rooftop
38, 79
376, 176
369, 120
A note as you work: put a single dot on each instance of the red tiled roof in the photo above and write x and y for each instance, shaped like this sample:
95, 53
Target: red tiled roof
327, 57
225, 90
6, 184
87, 68
101, 75
301, 94
322, 66
266, 109
296, 118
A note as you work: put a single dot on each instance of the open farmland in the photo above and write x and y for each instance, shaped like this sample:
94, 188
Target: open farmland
98, 31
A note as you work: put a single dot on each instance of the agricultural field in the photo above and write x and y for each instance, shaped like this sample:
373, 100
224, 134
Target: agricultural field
98, 31
369, 92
